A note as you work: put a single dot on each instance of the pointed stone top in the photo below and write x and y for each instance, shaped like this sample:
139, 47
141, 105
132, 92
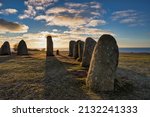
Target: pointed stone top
5, 48
22, 48
49, 37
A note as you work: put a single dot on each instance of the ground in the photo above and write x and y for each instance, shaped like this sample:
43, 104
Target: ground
61, 77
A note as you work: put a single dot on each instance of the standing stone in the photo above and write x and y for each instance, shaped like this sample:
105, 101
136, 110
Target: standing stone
49, 51
57, 52
103, 65
75, 50
5, 48
71, 46
80, 50
22, 48
87, 52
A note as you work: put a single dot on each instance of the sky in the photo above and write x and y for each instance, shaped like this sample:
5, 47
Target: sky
65, 20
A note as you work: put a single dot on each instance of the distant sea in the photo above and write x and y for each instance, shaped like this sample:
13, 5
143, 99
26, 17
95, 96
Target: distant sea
123, 50
134, 50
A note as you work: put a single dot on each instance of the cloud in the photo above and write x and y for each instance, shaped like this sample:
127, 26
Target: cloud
67, 21
39, 8
58, 10
74, 15
94, 23
29, 13
95, 13
93, 32
62, 20
76, 5
93, 8
42, 17
70, 15
44, 3
1, 4
35, 5
8, 11
60, 39
12, 27
123, 14
55, 30
129, 17
95, 5
70, 22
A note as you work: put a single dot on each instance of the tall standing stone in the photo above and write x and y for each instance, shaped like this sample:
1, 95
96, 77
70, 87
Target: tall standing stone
87, 52
75, 50
103, 65
71, 46
49, 51
80, 50
5, 48
22, 48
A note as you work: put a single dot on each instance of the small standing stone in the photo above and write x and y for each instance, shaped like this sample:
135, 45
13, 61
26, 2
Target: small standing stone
57, 52
87, 52
80, 50
103, 65
49, 51
5, 48
22, 48
75, 50
71, 46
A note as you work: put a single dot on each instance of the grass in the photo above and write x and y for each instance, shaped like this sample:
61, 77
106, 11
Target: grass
139, 63
62, 77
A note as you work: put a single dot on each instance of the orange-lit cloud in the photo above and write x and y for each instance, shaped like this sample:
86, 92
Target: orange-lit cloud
12, 27
58, 10
94, 23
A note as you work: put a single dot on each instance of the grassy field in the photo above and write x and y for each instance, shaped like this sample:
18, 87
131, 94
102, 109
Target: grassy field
61, 77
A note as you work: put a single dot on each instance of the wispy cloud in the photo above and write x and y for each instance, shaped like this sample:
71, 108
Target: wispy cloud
85, 32
1, 4
129, 17
35, 5
71, 5
95, 5
8, 11
12, 27
94, 23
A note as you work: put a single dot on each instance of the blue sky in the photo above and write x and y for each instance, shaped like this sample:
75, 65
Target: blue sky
31, 20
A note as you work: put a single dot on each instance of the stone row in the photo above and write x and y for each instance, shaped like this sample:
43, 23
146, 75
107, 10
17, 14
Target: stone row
82, 51
102, 60
21, 49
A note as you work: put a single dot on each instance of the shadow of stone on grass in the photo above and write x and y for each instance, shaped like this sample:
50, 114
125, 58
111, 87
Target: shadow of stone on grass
59, 83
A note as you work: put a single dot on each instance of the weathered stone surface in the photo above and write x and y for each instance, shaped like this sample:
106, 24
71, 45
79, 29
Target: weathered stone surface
87, 52
75, 50
71, 46
49, 51
22, 48
103, 64
5, 49
80, 50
